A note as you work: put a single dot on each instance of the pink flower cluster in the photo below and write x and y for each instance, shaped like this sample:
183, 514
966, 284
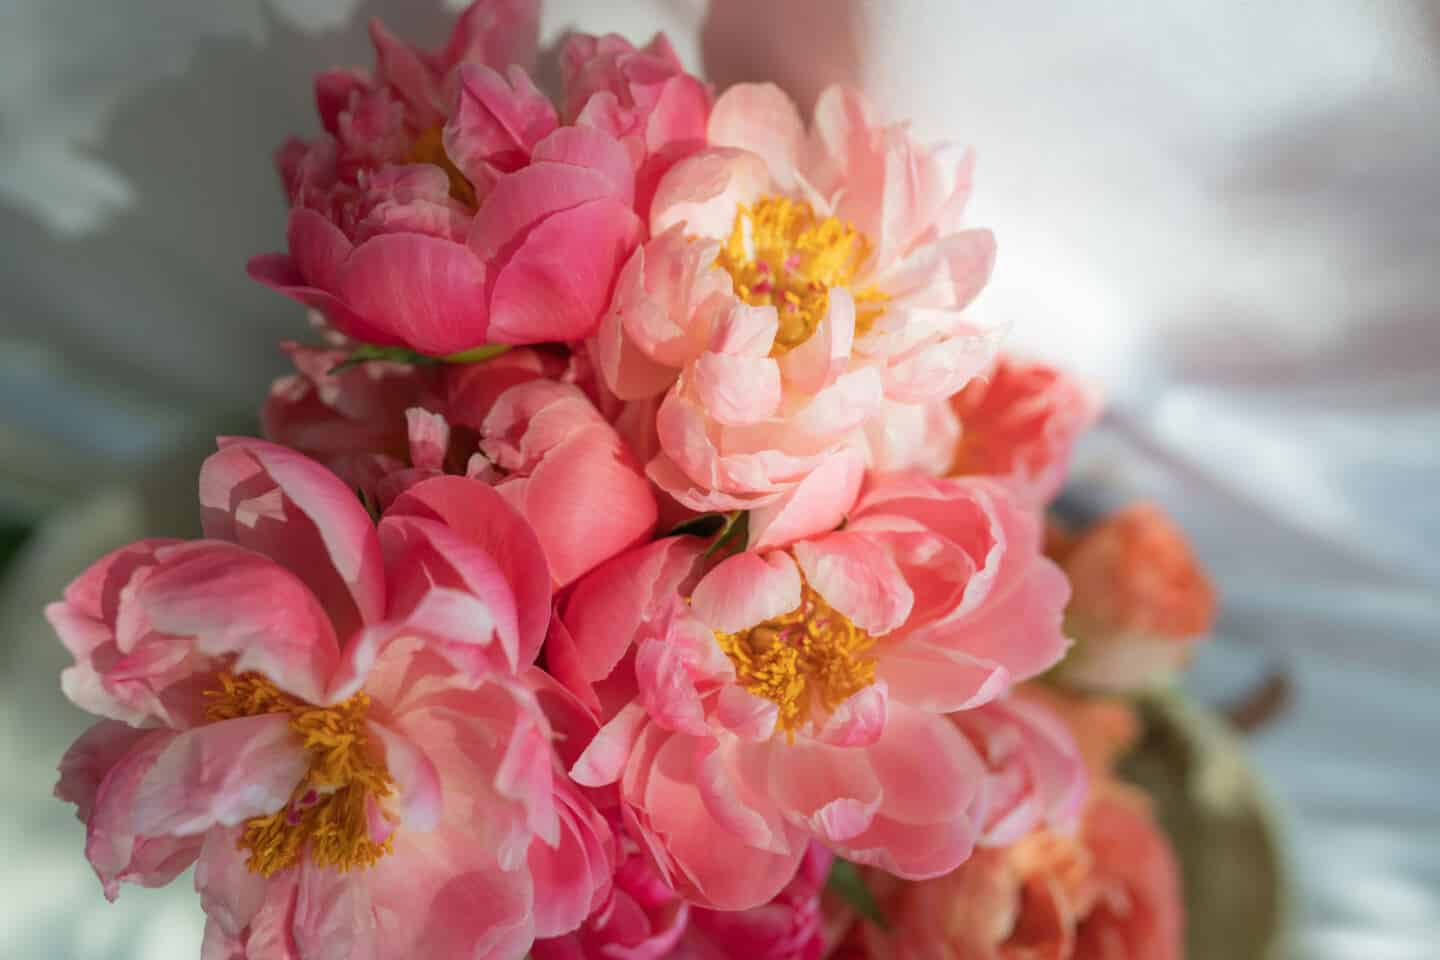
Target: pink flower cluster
654, 524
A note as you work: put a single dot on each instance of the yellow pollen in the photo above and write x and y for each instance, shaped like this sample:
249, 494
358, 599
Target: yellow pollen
781, 254
327, 815
809, 659
429, 147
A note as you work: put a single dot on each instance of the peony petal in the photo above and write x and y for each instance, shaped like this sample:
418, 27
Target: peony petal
271, 499
482, 516
760, 117
816, 505
858, 579
704, 190
429, 291
232, 602
745, 590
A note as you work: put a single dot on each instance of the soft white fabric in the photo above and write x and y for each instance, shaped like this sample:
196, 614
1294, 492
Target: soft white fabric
1226, 212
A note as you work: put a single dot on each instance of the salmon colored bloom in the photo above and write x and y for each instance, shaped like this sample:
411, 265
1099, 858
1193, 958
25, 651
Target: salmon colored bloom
641, 96
795, 282
1140, 600
800, 693
336, 723
1107, 891
446, 207
1019, 423
541, 443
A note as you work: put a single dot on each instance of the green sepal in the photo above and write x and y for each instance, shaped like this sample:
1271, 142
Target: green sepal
847, 884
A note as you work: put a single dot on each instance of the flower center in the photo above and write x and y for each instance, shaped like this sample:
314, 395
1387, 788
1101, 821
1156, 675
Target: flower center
781, 254
810, 658
332, 807
429, 147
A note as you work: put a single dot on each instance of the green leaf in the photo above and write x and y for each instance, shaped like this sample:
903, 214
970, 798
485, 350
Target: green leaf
369, 352
476, 354
847, 884
737, 527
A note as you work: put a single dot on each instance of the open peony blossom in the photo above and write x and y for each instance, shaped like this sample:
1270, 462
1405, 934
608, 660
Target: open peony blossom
447, 207
1108, 890
1019, 424
337, 723
789, 694
795, 283
1140, 600
503, 421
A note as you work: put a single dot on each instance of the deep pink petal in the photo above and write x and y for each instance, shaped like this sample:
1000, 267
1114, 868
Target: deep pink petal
430, 292
484, 518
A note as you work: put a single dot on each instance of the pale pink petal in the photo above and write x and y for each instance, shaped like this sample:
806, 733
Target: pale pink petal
745, 590
760, 117
446, 898
737, 389
856, 578
703, 191
222, 773
415, 775
334, 917
604, 759
859, 719
816, 505
940, 680
832, 790
742, 713
816, 363
90, 758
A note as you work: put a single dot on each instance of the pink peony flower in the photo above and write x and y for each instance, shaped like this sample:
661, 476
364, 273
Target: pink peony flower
643, 918
1140, 600
789, 927
1036, 771
1019, 424
795, 693
793, 285
640, 96
1108, 890
352, 420
446, 208
336, 723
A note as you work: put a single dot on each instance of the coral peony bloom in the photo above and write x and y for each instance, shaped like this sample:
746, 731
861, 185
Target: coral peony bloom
1140, 600
1036, 769
640, 96
794, 283
1019, 423
539, 442
335, 722
800, 693
352, 420
789, 927
642, 919
1108, 890
445, 207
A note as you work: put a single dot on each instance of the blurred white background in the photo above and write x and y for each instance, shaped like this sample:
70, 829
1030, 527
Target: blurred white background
1227, 213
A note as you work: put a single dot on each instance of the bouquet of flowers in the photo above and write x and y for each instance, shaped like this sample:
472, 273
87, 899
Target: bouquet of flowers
647, 558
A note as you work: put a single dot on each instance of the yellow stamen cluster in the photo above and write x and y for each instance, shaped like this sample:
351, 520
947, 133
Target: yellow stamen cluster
810, 659
429, 147
781, 254
327, 815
